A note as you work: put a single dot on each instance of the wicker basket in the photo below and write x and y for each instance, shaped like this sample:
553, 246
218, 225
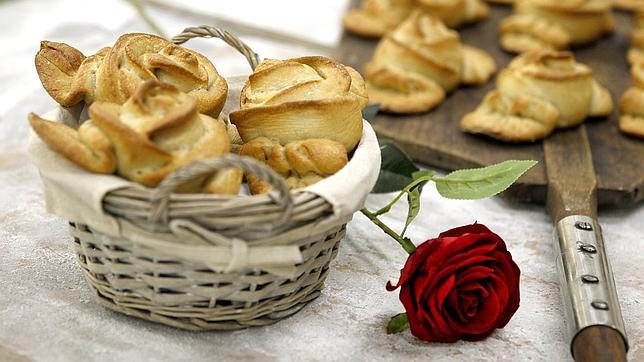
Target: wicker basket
210, 262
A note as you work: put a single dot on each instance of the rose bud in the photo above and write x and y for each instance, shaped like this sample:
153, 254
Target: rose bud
461, 285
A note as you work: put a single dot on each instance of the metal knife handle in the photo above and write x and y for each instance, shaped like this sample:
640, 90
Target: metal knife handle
587, 284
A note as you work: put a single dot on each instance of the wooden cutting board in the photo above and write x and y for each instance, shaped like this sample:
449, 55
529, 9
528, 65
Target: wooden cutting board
434, 138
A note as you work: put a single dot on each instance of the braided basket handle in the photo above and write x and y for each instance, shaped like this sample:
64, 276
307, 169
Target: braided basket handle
205, 31
161, 195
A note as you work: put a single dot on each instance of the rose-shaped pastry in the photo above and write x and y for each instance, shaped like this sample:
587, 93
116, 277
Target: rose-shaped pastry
414, 66
153, 133
631, 105
301, 163
375, 18
636, 51
555, 24
536, 90
461, 285
113, 74
296, 99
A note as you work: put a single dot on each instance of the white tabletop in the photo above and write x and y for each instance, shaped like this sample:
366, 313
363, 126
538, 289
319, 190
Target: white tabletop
47, 312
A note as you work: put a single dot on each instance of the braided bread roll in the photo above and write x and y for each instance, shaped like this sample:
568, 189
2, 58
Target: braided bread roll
536, 93
295, 99
414, 66
301, 163
114, 74
153, 133
631, 105
555, 24
375, 18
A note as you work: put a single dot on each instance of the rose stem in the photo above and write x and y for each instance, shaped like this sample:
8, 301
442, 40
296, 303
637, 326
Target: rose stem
404, 242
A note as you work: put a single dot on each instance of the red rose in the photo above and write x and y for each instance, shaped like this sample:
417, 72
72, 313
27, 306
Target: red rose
461, 285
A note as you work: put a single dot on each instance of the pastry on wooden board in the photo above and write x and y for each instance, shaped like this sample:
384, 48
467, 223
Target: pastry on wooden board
301, 163
301, 98
414, 66
555, 24
538, 92
375, 18
113, 74
636, 51
157, 130
631, 105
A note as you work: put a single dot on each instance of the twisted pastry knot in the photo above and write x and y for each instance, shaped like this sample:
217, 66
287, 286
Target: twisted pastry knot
153, 133
414, 66
555, 24
301, 163
114, 74
631, 105
375, 18
538, 92
301, 98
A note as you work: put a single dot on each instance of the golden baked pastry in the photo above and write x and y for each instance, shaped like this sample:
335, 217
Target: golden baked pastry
113, 74
153, 133
413, 67
295, 99
555, 24
538, 92
636, 51
301, 163
375, 18
631, 105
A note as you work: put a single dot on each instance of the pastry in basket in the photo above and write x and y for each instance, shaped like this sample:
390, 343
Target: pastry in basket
631, 105
636, 51
538, 92
555, 24
375, 18
301, 116
301, 163
113, 74
414, 66
153, 133
301, 98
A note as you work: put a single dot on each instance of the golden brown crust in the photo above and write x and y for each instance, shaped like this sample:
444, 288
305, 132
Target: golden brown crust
301, 163
536, 93
416, 65
152, 134
519, 119
113, 74
555, 77
455, 13
631, 105
636, 51
375, 18
555, 25
309, 97
87, 147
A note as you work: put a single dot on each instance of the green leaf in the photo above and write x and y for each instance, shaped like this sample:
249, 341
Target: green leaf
479, 183
398, 323
396, 169
413, 200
